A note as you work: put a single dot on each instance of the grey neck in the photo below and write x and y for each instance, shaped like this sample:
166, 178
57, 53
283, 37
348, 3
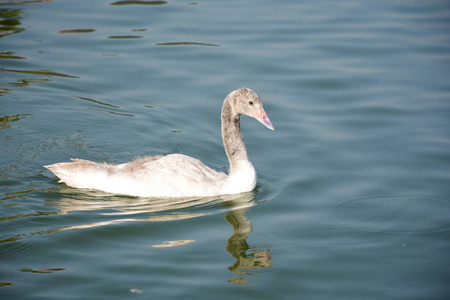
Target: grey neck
231, 135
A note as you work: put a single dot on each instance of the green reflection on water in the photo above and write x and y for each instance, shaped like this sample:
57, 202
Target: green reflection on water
10, 21
6, 120
41, 72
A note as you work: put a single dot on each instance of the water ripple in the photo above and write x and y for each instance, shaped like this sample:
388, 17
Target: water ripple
107, 210
21, 248
392, 214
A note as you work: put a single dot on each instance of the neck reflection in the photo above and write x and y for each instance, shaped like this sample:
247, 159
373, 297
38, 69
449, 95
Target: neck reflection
247, 257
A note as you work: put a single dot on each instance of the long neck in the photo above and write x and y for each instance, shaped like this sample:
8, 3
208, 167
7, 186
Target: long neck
231, 135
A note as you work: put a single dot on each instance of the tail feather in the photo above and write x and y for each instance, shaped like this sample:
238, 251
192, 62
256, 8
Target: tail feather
81, 173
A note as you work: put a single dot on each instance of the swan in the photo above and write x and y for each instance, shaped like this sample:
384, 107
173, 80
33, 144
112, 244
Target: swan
177, 175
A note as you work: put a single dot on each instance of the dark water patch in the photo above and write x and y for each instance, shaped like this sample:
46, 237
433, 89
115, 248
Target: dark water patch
35, 214
97, 102
186, 43
88, 30
42, 270
41, 72
9, 2
25, 82
10, 55
125, 36
113, 112
102, 103
4, 91
136, 2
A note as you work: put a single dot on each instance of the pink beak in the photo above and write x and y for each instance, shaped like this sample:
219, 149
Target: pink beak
262, 117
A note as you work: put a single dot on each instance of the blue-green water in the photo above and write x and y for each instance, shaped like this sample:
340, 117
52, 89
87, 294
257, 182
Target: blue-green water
353, 195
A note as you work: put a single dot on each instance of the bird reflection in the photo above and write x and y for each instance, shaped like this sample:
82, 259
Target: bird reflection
113, 210
247, 257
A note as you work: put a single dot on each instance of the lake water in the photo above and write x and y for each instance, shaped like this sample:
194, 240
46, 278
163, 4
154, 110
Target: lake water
353, 192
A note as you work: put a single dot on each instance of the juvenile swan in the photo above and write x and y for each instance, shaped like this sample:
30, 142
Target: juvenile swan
177, 175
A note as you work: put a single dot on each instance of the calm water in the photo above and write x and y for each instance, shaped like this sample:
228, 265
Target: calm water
353, 195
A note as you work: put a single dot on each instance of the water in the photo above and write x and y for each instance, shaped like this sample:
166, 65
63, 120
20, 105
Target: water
353, 195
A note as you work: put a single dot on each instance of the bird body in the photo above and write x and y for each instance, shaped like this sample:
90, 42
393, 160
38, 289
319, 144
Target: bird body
176, 175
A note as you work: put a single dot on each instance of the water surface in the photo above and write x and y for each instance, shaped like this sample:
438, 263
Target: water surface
353, 193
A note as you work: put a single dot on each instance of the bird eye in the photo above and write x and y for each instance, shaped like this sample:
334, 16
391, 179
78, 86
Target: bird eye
250, 102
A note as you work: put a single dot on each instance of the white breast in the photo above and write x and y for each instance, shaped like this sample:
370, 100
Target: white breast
241, 179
